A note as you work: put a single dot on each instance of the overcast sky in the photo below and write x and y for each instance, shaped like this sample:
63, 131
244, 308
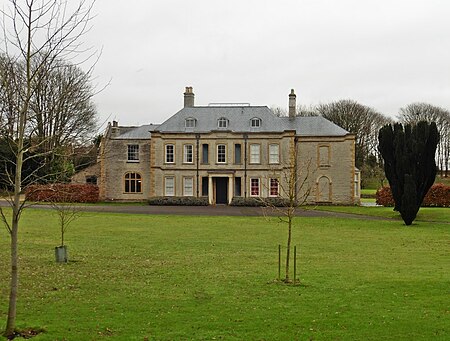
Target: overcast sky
384, 54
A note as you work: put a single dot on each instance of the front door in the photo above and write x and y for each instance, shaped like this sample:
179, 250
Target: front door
221, 190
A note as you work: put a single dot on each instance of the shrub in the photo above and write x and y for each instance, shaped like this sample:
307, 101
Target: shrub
178, 201
384, 196
62, 193
437, 196
258, 202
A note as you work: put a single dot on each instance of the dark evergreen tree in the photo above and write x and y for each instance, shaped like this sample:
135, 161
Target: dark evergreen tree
409, 164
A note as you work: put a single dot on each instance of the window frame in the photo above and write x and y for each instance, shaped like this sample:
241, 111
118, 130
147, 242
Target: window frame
252, 161
166, 178
224, 153
130, 182
135, 152
205, 151
258, 182
222, 123
278, 154
205, 186
238, 185
186, 153
270, 187
238, 162
326, 148
190, 120
255, 120
166, 153
185, 193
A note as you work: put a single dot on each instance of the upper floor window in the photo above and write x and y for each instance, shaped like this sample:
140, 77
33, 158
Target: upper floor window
221, 153
237, 153
133, 183
188, 153
255, 150
222, 122
274, 153
205, 153
255, 122
170, 153
133, 152
324, 156
190, 122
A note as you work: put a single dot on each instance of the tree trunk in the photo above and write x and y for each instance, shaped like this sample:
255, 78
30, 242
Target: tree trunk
11, 322
62, 233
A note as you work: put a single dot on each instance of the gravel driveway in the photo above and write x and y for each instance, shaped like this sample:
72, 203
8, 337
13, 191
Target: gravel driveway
218, 210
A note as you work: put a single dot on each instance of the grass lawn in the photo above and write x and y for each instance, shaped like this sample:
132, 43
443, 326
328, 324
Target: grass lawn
203, 278
426, 214
368, 191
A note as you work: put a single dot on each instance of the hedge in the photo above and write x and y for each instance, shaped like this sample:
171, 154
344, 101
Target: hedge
63, 193
178, 201
437, 196
258, 202
203, 201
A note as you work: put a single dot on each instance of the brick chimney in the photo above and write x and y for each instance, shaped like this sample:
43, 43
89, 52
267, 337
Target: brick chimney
292, 104
115, 130
188, 97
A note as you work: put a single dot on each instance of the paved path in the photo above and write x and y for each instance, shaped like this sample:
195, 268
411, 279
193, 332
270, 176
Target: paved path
218, 210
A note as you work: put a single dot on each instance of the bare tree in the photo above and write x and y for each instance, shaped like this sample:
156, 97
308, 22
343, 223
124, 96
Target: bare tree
416, 112
36, 34
306, 111
293, 189
63, 111
352, 116
302, 110
358, 119
279, 111
67, 209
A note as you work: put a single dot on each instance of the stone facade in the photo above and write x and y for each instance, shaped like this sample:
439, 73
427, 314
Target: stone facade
117, 165
229, 151
89, 175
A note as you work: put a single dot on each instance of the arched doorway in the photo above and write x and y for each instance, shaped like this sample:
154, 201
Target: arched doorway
323, 189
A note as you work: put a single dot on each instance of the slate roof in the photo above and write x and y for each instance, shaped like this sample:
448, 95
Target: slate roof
239, 118
136, 133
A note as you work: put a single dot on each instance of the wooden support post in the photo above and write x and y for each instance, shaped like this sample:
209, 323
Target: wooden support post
295, 263
279, 262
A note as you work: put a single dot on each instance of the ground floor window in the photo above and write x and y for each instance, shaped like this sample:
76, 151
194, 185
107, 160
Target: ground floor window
169, 186
274, 187
205, 186
188, 187
237, 187
133, 183
254, 187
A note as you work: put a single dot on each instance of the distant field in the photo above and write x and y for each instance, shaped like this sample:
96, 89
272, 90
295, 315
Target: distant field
204, 278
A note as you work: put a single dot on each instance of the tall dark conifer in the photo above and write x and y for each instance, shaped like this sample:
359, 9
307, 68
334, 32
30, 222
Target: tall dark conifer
409, 164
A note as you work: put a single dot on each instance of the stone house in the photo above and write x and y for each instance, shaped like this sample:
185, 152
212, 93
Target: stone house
221, 151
